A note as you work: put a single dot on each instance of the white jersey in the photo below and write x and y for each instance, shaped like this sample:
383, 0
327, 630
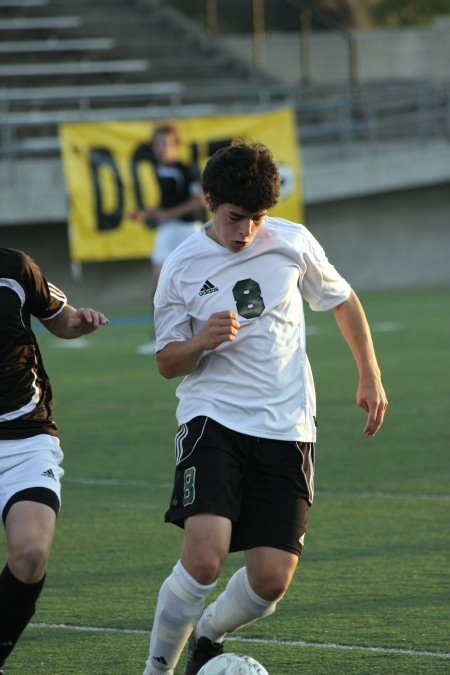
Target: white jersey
261, 383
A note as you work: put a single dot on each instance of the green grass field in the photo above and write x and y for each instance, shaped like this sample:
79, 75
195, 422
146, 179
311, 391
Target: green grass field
372, 591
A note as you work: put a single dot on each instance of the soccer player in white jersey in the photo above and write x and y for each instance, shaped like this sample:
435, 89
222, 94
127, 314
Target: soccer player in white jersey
30, 455
229, 318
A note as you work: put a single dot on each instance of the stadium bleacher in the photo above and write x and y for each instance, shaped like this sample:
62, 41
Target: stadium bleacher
67, 60
63, 61
356, 141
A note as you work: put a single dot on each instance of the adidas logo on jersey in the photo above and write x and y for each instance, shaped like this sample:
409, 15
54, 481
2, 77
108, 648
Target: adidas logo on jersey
208, 287
49, 474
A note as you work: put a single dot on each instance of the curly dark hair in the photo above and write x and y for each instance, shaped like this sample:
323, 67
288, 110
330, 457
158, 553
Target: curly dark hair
244, 174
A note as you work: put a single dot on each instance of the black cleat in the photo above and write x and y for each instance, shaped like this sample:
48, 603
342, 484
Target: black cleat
201, 650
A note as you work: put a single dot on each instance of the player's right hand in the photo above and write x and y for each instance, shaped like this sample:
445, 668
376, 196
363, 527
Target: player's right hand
220, 327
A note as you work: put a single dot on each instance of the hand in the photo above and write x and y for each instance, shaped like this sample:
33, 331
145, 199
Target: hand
220, 327
151, 217
182, 357
138, 214
372, 398
85, 320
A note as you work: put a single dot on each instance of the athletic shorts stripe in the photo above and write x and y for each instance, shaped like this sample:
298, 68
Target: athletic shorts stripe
181, 435
180, 453
307, 469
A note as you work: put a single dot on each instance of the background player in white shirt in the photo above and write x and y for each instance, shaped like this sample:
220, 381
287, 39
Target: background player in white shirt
229, 317
30, 455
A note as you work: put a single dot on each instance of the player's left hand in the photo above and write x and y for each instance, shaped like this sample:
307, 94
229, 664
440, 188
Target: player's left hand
372, 398
85, 320
138, 214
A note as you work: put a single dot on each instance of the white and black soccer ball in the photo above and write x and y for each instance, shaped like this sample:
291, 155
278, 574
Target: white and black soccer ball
233, 664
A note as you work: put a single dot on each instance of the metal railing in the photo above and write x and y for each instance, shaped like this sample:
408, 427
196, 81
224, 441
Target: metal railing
418, 112
343, 114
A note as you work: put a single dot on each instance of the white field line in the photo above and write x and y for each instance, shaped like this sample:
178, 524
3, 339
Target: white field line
382, 495
375, 327
78, 343
311, 329
118, 482
125, 482
266, 641
386, 326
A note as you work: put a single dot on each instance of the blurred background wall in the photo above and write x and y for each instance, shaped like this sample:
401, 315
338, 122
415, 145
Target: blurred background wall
408, 52
372, 105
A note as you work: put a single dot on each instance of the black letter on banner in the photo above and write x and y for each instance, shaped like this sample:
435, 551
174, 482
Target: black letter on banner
214, 146
143, 153
210, 148
99, 157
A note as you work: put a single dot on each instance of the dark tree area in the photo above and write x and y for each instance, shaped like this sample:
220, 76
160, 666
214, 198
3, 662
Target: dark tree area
235, 16
409, 12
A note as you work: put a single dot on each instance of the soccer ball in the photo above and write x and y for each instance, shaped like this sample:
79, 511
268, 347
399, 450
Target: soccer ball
232, 664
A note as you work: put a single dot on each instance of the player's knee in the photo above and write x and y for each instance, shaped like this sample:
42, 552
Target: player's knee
206, 568
29, 562
271, 587
273, 592
206, 572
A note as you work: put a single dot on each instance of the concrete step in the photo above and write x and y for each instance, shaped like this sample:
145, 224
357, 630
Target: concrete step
59, 69
55, 45
44, 23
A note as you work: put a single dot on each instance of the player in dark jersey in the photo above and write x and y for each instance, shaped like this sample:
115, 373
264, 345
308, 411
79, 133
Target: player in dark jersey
181, 202
30, 455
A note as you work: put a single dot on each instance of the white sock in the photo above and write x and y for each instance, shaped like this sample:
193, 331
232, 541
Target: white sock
237, 606
180, 603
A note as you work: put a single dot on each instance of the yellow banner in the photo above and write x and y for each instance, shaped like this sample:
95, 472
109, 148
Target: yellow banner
108, 175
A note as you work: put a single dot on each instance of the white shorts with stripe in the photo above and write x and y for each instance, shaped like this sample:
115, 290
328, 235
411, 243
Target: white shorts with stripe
29, 463
169, 235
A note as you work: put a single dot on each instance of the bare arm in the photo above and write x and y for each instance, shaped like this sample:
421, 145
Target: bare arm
182, 358
370, 394
190, 206
71, 323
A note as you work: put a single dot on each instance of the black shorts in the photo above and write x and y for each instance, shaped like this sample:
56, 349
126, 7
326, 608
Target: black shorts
264, 486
